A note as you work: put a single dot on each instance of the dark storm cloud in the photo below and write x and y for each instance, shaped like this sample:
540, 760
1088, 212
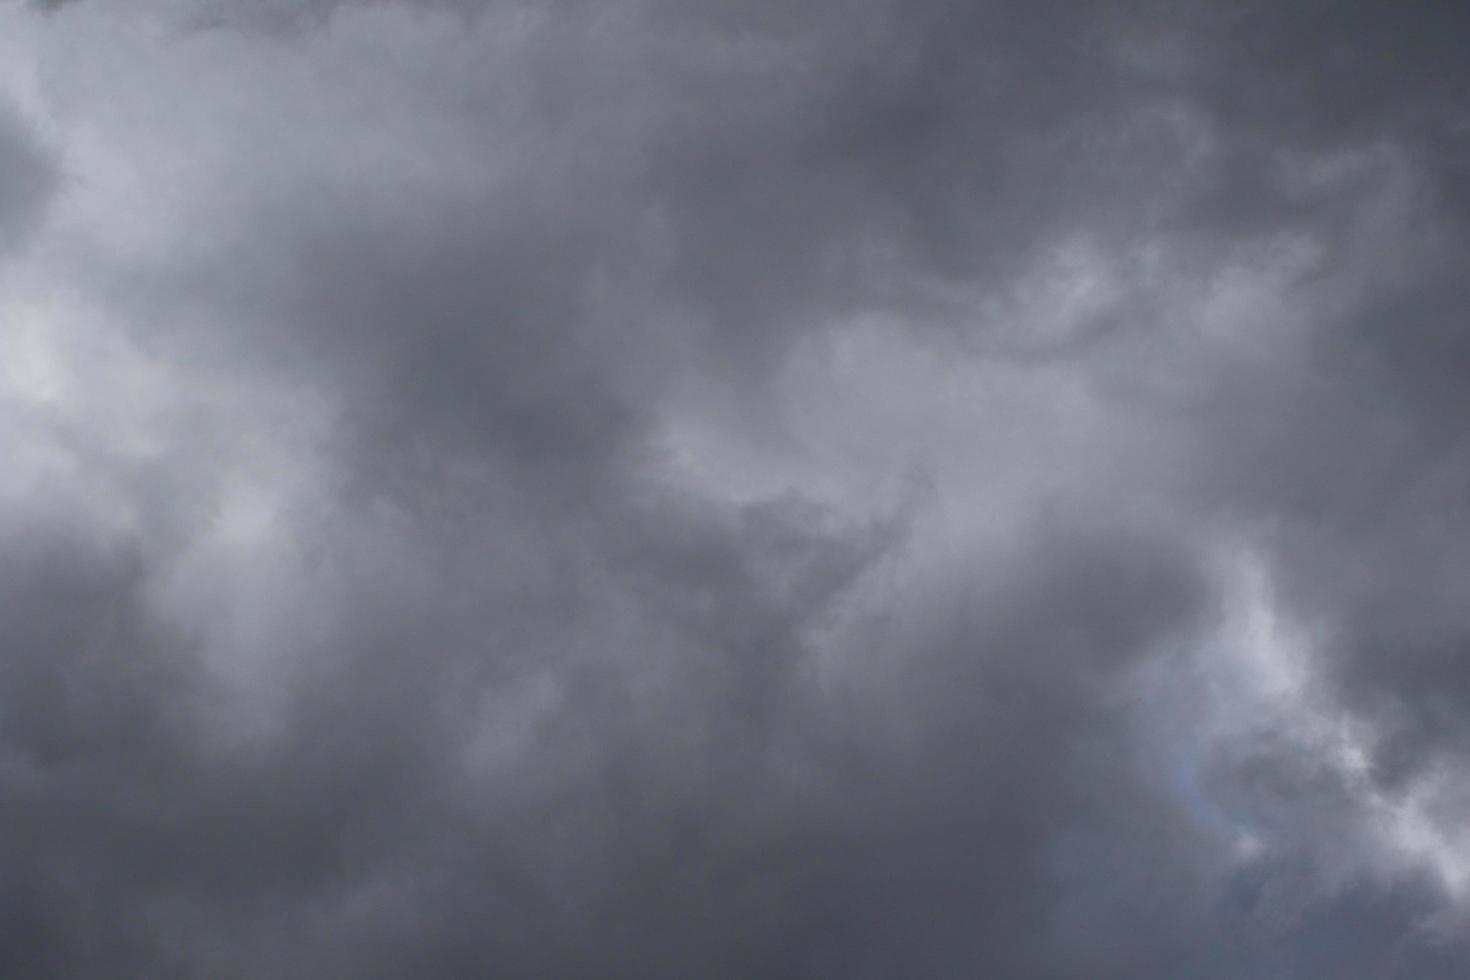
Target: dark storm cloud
1351, 446
400, 604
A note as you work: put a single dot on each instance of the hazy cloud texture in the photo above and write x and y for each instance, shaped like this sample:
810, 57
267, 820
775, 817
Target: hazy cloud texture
711, 489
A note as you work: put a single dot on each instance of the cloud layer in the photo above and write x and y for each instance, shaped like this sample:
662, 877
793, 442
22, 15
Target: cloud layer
855, 489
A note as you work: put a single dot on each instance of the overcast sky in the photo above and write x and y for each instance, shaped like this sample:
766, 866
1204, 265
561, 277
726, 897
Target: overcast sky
734, 489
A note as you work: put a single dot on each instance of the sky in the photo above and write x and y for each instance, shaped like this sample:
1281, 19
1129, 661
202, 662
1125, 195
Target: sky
696, 488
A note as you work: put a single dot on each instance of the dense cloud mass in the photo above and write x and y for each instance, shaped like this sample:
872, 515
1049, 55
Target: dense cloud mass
696, 488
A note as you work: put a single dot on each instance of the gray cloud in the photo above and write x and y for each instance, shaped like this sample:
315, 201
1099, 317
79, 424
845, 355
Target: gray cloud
27, 180
728, 490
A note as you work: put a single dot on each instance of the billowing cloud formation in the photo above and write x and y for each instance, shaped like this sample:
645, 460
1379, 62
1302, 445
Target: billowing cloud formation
706, 489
